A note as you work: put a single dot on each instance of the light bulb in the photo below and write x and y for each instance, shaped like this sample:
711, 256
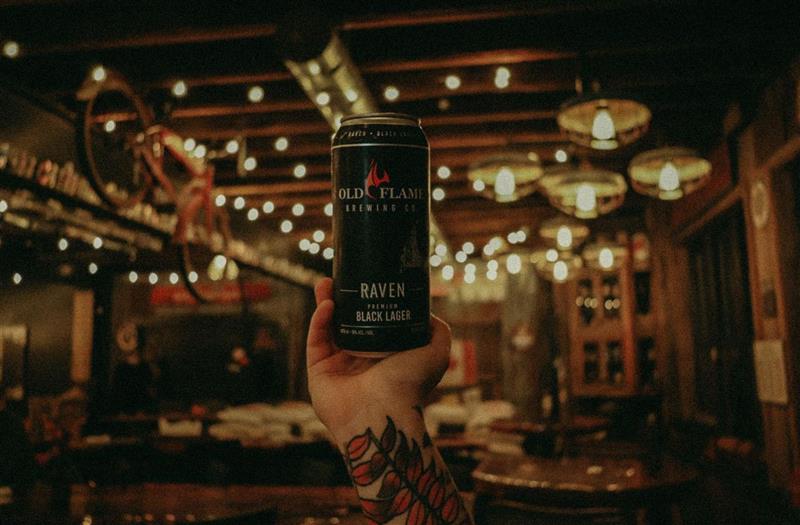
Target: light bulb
514, 263
255, 94
252, 214
92, 268
668, 179
328, 209
298, 209
469, 278
606, 258
323, 98
281, 143
232, 147
313, 248
17, 278
286, 226
193, 276
551, 255
63, 244
560, 271
452, 82
391, 93
504, 184
250, 163
200, 151
133, 277
603, 125
435, 260
327, 253
173, 278
11, 49
268, 207
564, 237
585, 198
238, 202
443, 172
492, 265
438, 194
299, 171
468, 248
304, 244
109, 126
478, 185
152, 278
440, 250
220, 200
447, 272
351, 94
561, 155
99, 74
491, 275
318, 236
461, 256
180, 89
189, 144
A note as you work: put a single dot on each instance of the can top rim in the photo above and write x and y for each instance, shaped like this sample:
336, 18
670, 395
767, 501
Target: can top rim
382, 117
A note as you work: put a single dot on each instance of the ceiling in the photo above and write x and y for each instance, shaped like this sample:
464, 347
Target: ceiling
687, 61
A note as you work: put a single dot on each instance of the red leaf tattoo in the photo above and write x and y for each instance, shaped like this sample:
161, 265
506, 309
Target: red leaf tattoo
358, 446
401, 502
450, 508
417, 514
389, 435
390, 486
414, 469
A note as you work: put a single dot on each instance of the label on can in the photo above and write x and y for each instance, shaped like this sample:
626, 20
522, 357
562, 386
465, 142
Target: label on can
381, 228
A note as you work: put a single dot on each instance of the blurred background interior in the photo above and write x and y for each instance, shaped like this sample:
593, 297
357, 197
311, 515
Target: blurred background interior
615, 238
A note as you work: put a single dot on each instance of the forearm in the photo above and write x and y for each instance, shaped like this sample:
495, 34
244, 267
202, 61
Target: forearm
399, 474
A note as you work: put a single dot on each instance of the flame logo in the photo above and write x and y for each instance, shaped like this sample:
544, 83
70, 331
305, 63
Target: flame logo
373, 180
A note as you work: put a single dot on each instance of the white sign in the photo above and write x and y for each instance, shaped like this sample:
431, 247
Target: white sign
770, 371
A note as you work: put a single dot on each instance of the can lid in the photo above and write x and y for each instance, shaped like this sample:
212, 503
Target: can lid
381, 118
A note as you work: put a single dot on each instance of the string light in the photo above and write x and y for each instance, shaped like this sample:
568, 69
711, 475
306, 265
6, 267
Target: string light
521, 235
501, 77
97, 243
286, 226
478, 185
238, 202
252, 214
491, 275
133, 277
232, 147
152, 278
514, 263
180, 89
440, 250
327, 253
452, 82
109, 126
281, 143
250, 163
328, 209
560, 271
173, 278
443, 172
3, 206
438, 194
17, 278
10, 49
561, 156
461, 256
468, 248
492, 265
193, 277
299, 171
304, 244
92, 268
435, 260
268, 207
470, 268
99, 74
189, 144
220, 200
551, 255
298, 209
323, 98
391, 93
313, 67
200, 151
255, 94
63, 244
447, 272
564, 237
313, 249
469, 278
318, 236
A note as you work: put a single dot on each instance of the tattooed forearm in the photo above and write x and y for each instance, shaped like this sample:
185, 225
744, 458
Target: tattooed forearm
403, 482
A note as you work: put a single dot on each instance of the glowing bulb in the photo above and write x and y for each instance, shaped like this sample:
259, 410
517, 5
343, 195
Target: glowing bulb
512, 237
561, 156
180, 89
63, 244
220, 200
268, 207
255, 94
470, 268
501, 82
514, 263
193, 277
313, 249
469, 278
99, 74
437, 194
189, 144
491, 275
551, 255
3, 206
440, 250
200, 151
564, 237
92, 268
109, 126
17, 278
173, 278
468, 248
152, 278
281, 143
478, 185
313, 67
560, 271
447, 272
504, 184
585, 198
391, 93
299, 171
668, 179
492, 265
304, 244
298, 209
133, 277
461, 256
318, 236
606, 258
489, 250
97, 243
443, 172
323, 98
328, 209
250, 163
252, 214
521, 236
452, 82
238, 203
286, 226
603, 125
351, 94
502, 71
435, 260
496, 242
327, 253
11, 49
232, 147
502, 75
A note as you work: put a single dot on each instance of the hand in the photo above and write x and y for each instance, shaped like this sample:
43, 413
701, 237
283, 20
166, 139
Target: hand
346, 389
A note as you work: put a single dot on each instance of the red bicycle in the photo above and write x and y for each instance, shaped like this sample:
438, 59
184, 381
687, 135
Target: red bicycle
129, 158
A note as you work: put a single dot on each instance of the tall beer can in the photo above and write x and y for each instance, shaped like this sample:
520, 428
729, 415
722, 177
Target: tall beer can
380, 165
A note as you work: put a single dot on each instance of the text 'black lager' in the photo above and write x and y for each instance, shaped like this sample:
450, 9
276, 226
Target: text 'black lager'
380, 166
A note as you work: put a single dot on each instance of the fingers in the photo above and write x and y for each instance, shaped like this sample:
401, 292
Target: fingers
323, 290
319, 345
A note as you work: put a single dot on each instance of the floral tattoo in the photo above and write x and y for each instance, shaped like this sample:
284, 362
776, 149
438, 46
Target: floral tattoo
407, 484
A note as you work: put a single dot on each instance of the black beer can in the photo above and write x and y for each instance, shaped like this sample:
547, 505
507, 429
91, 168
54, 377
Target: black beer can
380, 164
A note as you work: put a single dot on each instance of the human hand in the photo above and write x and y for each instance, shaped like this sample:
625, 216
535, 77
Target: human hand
347, 390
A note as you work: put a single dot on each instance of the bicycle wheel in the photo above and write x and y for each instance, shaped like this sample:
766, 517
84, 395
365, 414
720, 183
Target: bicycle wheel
209, 272
111, 137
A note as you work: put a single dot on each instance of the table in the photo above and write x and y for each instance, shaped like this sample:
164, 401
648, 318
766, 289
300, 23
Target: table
581, 482
549, 438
